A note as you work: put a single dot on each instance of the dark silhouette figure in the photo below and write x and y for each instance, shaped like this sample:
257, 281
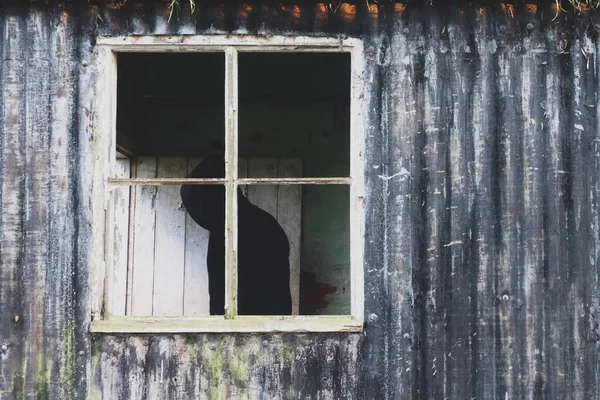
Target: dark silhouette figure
263, 247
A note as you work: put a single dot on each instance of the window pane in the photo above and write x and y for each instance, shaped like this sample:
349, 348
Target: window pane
325, 251
296, 105
294, 250
170, 117
175, 235
171, 104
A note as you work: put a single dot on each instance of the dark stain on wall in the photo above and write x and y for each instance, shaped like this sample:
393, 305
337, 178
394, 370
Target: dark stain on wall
313, 294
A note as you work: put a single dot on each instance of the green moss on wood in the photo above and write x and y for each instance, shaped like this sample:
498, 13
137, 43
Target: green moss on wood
18, 389
94, 391
42, 376
68, 360
238, 366
214, 363
288, 354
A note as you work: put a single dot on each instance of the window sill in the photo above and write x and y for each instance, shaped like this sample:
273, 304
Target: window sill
241, 324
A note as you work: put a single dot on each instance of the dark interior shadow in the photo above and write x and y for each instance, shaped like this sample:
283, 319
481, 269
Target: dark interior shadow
263, 247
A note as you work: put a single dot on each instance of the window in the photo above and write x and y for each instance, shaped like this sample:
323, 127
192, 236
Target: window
282, 117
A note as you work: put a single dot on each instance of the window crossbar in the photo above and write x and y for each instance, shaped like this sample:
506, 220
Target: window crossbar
240, 181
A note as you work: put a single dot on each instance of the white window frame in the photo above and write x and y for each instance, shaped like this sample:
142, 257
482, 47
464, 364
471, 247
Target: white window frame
105, 173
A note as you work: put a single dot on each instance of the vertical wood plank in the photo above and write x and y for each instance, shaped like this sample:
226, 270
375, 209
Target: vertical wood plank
169, 244
14, 200
263, 196
120, 240
289, 206
195, 293
131, 238
143, 250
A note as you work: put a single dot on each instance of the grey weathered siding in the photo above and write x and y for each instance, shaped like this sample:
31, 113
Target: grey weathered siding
45, 141
482, 211
486, 238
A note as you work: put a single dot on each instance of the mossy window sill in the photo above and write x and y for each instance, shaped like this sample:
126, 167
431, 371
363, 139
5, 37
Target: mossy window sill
240, 324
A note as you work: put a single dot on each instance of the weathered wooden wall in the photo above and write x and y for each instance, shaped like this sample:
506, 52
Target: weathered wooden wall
482, 242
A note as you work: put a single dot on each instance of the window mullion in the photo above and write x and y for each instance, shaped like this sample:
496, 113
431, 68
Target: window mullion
231, 174
357, 187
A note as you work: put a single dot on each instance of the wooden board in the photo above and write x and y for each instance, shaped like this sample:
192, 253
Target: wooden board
263, 196
143, 244
195, 293
120, 197
169, 241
